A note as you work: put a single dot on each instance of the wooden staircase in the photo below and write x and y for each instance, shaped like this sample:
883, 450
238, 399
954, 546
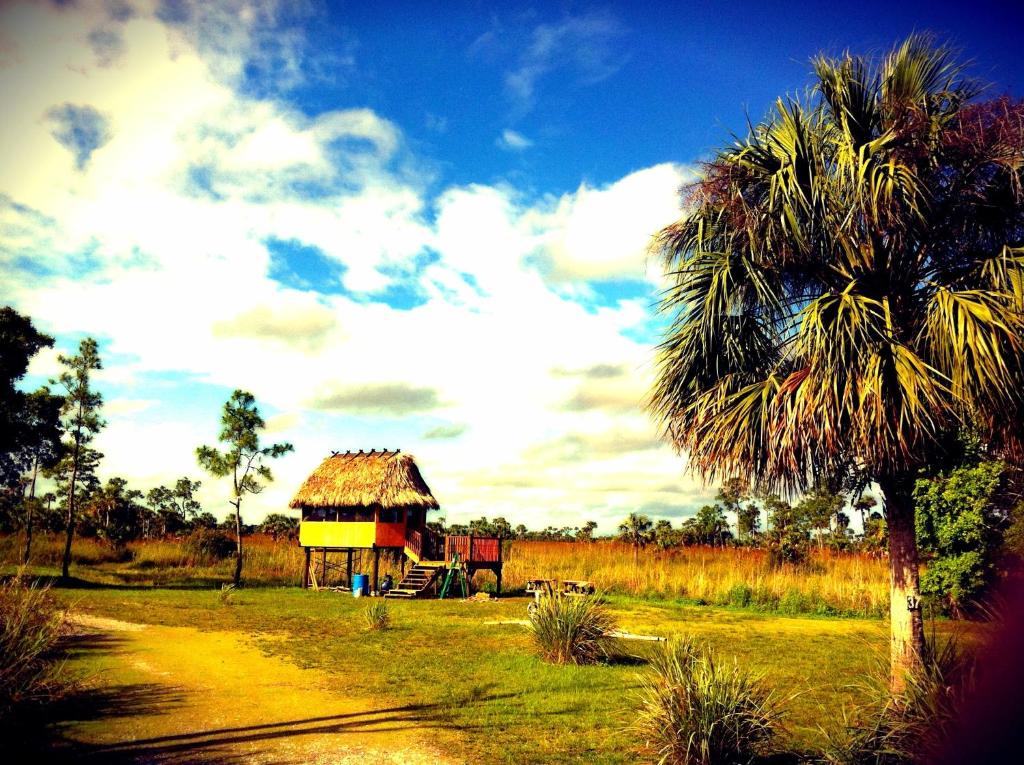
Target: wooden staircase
417, 580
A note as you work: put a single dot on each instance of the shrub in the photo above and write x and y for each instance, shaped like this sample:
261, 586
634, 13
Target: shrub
902, 730
30, 626
787, 549
794, 602
695, 710
740, 595
377, 616
572, 630
957, 524
210, 544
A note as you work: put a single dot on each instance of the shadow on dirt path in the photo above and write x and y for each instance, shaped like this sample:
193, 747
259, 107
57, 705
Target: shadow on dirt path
154, 694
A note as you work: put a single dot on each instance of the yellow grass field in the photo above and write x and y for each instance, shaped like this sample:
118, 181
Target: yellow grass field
831, 583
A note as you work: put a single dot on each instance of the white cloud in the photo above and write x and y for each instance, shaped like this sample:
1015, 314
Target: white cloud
604, 233
584, 46
176, 207
510, 140
124, 408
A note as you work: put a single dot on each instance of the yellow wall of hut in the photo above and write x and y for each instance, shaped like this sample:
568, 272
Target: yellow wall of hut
337, 534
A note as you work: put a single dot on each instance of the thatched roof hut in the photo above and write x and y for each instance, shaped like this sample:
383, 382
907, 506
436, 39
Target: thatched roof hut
366, 479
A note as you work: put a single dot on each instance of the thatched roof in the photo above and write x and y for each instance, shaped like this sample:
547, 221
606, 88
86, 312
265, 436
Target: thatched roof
362, 479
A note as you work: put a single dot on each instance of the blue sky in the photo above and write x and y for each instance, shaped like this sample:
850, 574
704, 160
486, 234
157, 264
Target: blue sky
404, 225
612, 88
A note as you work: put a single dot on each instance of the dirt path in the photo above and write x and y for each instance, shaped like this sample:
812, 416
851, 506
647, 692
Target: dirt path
176, 695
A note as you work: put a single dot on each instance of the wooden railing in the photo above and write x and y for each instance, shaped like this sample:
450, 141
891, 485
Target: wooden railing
414, 541
473, 549
424, 543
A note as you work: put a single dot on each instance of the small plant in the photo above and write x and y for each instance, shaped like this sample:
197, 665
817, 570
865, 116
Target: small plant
377, 616
31, 624
696, 710
227, 594
572, 630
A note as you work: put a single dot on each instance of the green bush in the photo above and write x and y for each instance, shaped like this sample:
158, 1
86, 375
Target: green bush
958, 530
794, 602
572, 630
695, 710
377, 616
210, 544
31, 624
740, 595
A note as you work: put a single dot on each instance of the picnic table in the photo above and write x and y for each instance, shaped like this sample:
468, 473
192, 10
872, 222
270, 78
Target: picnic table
577, 587
539, 588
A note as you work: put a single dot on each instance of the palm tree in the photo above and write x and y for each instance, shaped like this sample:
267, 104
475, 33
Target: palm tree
846, 289
635, 530
863, 505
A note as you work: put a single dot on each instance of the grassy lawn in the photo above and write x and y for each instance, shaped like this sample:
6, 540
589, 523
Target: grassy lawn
495, 701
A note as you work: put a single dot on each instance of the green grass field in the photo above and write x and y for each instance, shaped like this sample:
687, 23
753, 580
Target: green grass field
489, 698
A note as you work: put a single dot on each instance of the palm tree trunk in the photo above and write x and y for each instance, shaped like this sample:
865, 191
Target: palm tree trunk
906, 626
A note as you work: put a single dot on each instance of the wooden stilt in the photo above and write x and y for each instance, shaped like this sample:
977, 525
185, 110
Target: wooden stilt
497, 574
376, 567
349, 568
305, 571
323, 567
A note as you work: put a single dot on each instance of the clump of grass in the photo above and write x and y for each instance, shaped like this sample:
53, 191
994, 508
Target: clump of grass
377, 616
572, 630
31, 624
901, 729
697, 710
227, 594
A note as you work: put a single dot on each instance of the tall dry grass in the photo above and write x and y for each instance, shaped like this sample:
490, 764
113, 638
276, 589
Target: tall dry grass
266, 561
31, 624
830, 583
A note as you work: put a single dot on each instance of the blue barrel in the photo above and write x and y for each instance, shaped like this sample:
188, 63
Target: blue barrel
360, 585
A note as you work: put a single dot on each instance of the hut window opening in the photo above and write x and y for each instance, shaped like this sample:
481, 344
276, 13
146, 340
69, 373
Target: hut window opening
390, 515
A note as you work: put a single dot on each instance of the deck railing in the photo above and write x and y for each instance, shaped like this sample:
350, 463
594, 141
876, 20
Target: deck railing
473, 549
414, 541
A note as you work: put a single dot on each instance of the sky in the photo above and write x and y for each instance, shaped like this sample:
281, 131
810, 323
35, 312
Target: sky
409, 225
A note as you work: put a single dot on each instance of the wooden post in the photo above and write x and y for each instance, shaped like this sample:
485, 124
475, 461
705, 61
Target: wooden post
469, 554
349, 568
501, 557
305, 572
376, 567
404, 559
323, 567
